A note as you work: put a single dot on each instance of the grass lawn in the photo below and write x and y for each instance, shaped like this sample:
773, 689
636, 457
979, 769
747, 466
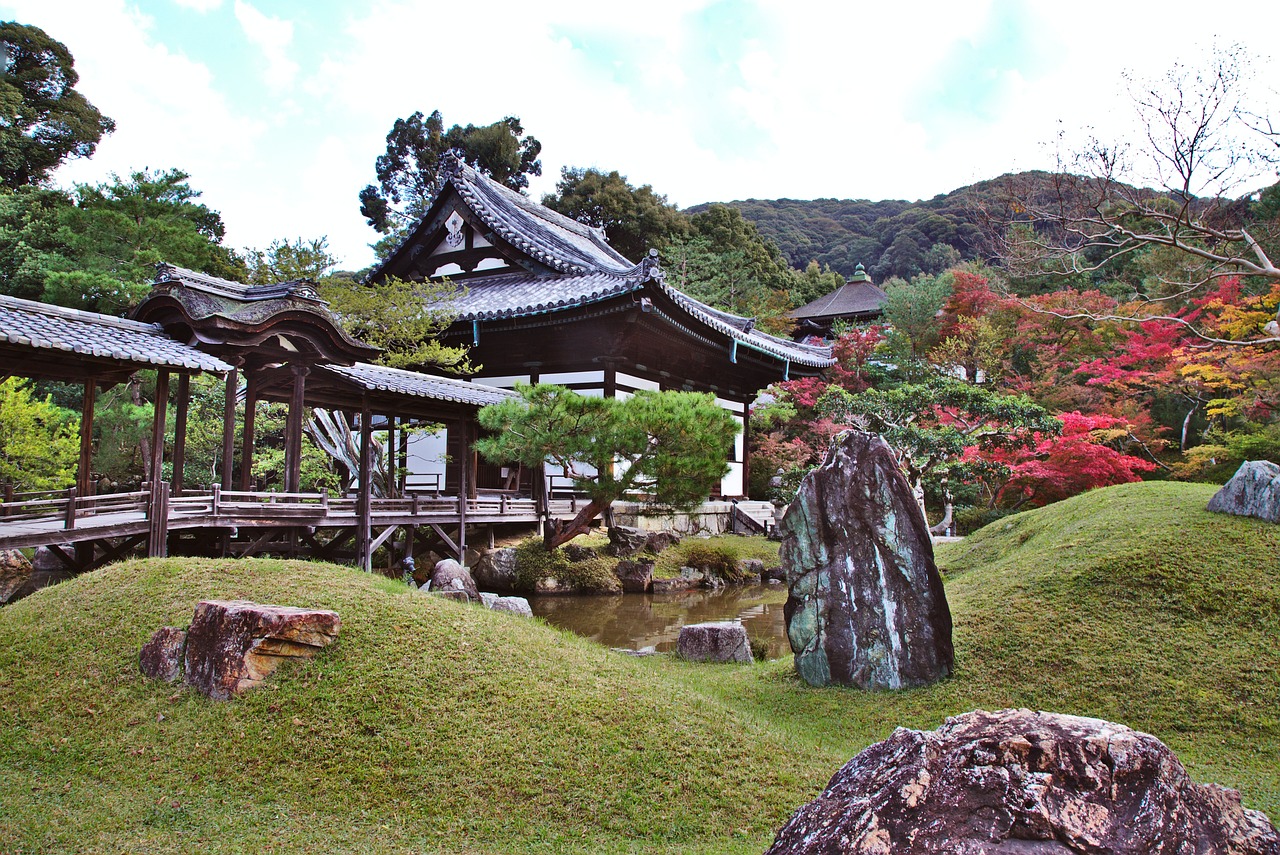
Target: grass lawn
436, 727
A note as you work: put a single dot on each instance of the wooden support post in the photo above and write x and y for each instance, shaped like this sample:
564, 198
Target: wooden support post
246, 441
746, 448
364, 503
69, 520
229, 427
180, 432
158, 516
404, 459
158, 425
466, 485
392, 458
293, 431
85, 465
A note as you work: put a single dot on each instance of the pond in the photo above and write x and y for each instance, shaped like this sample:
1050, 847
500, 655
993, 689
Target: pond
639, 621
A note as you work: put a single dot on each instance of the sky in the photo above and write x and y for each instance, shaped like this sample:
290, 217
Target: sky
278, 108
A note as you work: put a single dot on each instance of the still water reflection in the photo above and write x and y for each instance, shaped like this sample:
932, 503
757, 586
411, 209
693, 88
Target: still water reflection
637, 621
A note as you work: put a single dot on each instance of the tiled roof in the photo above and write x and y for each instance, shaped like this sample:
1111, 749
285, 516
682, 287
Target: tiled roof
301, 289
399, 381
591, 269
512, 295
42, 326
208, 298
554, 239
560, 242
851, 298
742, 329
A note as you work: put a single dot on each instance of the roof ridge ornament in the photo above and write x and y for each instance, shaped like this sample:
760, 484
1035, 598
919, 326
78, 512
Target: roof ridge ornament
650, 268
166, 272
451, 162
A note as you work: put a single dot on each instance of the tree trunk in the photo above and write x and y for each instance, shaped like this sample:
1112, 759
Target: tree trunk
559, 532
1186, 424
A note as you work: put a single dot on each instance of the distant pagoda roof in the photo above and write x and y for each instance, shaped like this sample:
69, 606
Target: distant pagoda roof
61, 343
280, 320
557, 264
856, 298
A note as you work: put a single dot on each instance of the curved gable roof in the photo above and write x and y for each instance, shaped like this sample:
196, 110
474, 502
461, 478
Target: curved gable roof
589, 269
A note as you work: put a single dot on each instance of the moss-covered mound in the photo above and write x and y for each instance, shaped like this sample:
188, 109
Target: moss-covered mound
429, 725
433, 726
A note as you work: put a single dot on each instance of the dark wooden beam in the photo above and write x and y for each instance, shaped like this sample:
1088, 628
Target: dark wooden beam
180, 432
158, 426
229, 427
363, 501
246, 441
85, 465
293, 430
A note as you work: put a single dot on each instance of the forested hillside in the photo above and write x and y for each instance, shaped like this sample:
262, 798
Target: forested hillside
891, 237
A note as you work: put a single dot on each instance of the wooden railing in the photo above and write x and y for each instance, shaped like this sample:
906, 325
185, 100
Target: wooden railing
216, 504
67, 505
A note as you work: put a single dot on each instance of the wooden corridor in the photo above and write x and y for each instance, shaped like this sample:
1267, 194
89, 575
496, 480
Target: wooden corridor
114, 524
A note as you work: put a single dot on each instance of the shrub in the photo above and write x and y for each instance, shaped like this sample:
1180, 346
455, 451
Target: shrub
534, 563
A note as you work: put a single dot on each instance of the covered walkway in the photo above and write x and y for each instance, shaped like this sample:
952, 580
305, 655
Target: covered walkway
289, 350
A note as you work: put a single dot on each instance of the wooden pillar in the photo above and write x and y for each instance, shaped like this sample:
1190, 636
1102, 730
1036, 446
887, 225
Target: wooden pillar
466, 485
293, 431
246, 441
746, 448
180, 431
157, 428
364, 505
403, 483
610, 380
229, 427
85, 465
392, 457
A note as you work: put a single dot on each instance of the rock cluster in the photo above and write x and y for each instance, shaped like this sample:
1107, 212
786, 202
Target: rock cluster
233, 645
1018, 781
866, 605
1254, 491
625, 541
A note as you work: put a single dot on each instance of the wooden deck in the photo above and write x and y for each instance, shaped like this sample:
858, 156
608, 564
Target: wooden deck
45, 519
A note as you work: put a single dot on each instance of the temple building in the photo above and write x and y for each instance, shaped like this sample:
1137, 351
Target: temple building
544, 298
856, 301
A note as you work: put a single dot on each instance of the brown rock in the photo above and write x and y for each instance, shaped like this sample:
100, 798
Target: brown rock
625, 541
233, 645
15, 576
496, 570
449, 575
161, 656
636, 576
866, 605
1018, 781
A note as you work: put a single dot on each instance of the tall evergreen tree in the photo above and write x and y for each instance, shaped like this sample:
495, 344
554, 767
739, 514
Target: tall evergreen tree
43, 119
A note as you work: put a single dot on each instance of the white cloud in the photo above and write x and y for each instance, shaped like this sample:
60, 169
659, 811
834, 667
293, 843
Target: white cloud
199, 5
272, 36
806, 100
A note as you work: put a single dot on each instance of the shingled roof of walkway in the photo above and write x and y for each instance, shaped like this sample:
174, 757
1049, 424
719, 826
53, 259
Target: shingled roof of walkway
57, 343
